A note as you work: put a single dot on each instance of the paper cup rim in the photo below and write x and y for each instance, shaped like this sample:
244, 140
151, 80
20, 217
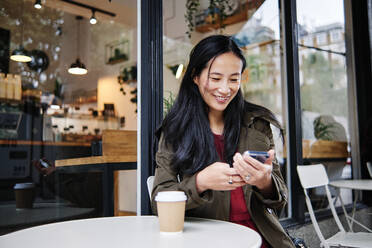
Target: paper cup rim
24, 186
170, 196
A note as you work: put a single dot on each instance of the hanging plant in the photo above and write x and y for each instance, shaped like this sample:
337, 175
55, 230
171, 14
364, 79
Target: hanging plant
215, 14
191, 9
220, 7
134, 98
128, 75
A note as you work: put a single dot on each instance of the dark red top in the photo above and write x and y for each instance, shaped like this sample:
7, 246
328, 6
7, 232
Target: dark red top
238, 209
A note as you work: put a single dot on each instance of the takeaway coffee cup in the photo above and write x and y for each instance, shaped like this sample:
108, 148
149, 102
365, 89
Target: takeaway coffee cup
171, 211
24, 195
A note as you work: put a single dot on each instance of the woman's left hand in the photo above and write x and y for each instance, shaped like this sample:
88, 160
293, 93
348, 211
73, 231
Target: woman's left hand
254, 172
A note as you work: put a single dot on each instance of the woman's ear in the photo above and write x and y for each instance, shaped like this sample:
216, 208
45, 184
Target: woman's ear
196, 80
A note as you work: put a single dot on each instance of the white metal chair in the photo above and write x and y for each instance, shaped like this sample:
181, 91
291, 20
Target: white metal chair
312, 176
369, 167
150, 183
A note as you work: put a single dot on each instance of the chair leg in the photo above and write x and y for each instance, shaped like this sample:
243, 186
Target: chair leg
346, 215
324, 245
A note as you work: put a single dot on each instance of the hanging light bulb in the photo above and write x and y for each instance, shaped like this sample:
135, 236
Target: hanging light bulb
21, 54
179, 71
37, 4
93, 19
78, 68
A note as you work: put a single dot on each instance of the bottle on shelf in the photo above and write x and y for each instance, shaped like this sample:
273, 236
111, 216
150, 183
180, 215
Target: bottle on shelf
10, 87
3, 84
84, 130
56, 134
17, 87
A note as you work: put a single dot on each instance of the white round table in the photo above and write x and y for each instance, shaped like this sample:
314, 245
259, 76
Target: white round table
358, 184
132, 231
354, 184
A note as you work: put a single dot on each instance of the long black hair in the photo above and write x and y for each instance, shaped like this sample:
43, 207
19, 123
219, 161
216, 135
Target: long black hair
186, 127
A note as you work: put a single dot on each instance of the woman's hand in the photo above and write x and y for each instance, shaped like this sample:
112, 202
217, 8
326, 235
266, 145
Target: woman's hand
254, 172
218, 176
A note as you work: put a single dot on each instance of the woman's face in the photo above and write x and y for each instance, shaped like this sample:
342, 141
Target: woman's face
223, 82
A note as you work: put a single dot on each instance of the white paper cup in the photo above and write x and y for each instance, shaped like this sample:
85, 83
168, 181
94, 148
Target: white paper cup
24, 195
171, 211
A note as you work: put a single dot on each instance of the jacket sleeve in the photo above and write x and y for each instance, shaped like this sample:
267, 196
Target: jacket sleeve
279, 199
167, 179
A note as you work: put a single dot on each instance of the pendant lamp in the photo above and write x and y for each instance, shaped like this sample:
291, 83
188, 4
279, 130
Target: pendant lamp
78, 68
20, 54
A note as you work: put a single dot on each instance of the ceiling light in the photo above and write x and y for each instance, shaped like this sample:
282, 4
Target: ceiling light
37, 4
78, 68
93, 19
20, 55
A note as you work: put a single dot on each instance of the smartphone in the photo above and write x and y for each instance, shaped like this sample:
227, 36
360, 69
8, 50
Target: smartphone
259, 155
43, 163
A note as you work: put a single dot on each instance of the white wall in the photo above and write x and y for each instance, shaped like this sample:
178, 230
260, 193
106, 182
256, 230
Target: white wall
103, 77
108, 91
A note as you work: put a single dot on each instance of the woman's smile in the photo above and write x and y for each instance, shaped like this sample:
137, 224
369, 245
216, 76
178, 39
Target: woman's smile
222, 99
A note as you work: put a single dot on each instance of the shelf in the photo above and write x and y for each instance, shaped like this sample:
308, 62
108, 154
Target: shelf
10, 101
84, 117
116, 61
242, 15
117, 52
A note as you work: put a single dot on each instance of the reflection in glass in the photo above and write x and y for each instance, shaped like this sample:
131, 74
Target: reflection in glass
323, 86
47, 114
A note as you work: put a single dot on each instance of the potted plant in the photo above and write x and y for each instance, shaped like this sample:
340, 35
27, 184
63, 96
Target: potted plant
331, 139
216, 13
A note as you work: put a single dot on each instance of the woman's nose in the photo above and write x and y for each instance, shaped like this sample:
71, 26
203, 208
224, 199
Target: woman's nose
224, 88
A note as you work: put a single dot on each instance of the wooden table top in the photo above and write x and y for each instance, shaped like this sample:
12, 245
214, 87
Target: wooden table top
95, 160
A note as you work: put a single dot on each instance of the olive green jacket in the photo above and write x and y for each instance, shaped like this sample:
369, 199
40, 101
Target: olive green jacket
255, 135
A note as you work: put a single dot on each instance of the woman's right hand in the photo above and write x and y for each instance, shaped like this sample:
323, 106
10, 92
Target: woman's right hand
217, 176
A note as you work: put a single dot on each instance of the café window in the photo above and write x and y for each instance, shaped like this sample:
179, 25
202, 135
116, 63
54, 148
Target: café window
321, 38
308, 40
336, 35
75, 83
324, 95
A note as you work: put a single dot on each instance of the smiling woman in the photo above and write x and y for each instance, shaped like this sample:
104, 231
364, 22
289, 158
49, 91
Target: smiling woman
202, 140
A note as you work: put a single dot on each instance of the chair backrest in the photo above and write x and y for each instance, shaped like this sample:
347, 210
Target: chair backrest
369, 167
150, 184
312, 176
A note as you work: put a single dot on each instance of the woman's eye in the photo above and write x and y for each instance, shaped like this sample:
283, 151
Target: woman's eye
234, 80
215, 79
